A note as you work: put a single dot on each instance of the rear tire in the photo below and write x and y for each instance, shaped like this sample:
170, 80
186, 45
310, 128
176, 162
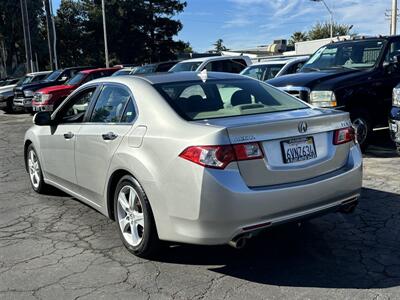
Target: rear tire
10, 109
363, 125
135, 220
35, 171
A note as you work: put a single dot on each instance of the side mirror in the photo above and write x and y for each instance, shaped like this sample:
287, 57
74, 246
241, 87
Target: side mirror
42, 118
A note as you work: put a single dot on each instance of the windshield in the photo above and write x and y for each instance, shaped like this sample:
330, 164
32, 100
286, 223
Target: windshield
185, 66
197, 100
262, 72
53, 75
122, 72
144, 70
76, 79
352, 55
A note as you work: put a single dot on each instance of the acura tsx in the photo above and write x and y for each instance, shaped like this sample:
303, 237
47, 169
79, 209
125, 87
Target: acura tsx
201, 158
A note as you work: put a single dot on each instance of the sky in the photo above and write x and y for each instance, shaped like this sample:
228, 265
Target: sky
250, 23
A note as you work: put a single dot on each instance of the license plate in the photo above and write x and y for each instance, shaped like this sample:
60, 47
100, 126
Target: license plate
393, 127
298, 149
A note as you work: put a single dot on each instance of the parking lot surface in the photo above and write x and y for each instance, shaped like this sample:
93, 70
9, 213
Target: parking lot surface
55, 247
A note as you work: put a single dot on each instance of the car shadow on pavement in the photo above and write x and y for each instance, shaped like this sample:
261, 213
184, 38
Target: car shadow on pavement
381, 145
359, 250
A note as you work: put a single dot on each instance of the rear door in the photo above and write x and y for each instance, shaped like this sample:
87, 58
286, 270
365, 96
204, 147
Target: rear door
97, 140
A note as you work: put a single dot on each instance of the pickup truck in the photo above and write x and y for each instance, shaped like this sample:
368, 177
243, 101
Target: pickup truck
356, 75
48, 99
23, 94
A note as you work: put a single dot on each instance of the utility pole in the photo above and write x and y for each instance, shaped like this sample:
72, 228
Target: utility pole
48, 17
24, 26
105, 34
54, 35
28, 31
393, 23
330, 14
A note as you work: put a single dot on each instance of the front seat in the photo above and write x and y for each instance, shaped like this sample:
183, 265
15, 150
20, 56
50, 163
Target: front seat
241, 97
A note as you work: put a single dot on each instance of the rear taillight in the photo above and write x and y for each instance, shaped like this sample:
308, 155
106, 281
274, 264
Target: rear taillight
344, 135
220, 156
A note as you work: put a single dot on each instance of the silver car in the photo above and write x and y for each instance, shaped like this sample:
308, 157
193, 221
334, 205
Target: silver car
194, 157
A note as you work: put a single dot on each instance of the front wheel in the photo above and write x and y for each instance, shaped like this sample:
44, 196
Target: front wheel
363, 127
136, 225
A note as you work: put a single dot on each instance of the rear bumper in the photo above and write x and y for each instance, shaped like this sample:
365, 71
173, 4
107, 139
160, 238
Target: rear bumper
229, 208
23, 102
394, 124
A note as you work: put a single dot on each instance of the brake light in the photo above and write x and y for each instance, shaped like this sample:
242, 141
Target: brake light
344, 135
220, 156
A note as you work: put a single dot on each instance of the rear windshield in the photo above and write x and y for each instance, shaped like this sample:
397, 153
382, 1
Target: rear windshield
225, 98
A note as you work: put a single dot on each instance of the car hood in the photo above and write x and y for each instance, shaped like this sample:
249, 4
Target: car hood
35, 86
56, 88
7, 88
323, 79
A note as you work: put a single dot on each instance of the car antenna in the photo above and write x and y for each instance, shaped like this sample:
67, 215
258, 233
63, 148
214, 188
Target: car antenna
203, 75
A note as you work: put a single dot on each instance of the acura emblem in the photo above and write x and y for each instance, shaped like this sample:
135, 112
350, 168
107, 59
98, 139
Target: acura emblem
302, 127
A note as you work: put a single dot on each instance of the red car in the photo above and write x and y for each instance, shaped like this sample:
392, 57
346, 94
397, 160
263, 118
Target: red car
47, 99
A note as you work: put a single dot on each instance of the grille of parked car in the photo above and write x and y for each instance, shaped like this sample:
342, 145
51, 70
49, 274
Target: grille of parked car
302, 93
19, 94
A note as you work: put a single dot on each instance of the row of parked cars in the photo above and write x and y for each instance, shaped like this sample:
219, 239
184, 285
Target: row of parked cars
356, 75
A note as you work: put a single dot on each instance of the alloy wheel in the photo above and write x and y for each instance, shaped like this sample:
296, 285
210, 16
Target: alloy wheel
34, 169
361, 128
130, 215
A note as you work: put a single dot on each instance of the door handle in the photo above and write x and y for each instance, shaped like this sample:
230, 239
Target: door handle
109, 136
68, 135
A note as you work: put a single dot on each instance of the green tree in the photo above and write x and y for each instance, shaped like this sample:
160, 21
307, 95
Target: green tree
298, 36
219, 46
322, 30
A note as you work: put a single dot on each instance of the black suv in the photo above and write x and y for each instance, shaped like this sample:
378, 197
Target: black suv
355, 75
23, 94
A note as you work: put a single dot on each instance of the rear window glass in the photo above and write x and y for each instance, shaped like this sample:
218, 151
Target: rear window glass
225, 98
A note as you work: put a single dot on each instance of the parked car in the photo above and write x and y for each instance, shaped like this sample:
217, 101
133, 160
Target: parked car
23, 94
7, 92
394, 118
154, 68
357, 76
274, 68
242, 161
229, 64
124, 71
47, 99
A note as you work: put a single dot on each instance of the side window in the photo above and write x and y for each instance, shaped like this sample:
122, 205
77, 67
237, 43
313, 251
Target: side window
129, 113
393, 50
110, 105
75, 109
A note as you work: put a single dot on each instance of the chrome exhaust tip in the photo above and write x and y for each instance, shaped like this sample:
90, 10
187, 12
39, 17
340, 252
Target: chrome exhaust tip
239, 242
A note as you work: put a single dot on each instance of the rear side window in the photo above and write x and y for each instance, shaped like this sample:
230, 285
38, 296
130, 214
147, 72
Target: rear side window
228, 66
110, 105
225, 98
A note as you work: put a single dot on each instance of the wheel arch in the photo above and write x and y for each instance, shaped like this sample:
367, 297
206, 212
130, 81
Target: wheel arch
26, 145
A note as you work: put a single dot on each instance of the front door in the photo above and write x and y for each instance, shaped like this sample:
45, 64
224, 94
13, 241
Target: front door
58, 142
99, 138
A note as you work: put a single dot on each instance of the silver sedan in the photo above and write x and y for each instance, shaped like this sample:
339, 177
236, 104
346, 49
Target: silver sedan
194, 157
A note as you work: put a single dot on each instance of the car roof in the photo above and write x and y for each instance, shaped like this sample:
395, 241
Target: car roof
157, 78
280, 61
39, 73
91, 71
213, 58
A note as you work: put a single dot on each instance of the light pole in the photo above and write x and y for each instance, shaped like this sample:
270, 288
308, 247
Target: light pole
54, 34
330, 14
105, 34
394, 18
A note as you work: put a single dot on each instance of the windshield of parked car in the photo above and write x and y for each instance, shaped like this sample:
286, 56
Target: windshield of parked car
76, 79
53, 75
198, 100
185, 66
122, 72
144, 70
353, 55
263, 72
